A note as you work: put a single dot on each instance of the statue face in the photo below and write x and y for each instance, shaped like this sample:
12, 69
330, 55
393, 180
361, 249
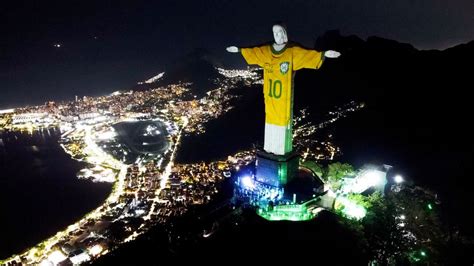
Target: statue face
279, 33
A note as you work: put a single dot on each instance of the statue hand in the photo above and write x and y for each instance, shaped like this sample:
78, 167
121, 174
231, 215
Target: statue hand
232, 49
332, 54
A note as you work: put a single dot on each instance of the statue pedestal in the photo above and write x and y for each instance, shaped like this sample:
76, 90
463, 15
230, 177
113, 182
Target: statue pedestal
276, 170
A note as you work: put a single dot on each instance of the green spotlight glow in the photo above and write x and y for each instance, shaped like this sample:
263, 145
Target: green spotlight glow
283, 173
430, 207
289, 212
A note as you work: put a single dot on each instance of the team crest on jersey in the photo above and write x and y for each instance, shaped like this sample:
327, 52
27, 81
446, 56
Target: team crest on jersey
284, 67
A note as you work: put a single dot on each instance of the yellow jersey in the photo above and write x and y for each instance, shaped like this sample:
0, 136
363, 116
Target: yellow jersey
278, 68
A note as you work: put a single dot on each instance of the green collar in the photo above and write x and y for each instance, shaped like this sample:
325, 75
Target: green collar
278, 52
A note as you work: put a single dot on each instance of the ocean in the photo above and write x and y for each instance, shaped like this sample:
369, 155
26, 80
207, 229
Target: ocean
39, 191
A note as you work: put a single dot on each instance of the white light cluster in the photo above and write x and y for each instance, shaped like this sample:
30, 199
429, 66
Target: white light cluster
247, 182
153, 79
54, 258
7, 111
81, 258
398, 179
233, 73
367, 179
96, 250
351, 209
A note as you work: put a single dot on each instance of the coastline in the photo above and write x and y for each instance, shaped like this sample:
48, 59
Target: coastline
39, 252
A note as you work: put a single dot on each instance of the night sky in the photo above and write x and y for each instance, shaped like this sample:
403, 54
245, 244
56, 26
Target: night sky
109, 45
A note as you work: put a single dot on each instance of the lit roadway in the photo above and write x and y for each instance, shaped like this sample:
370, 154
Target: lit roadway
95, 155
164, 179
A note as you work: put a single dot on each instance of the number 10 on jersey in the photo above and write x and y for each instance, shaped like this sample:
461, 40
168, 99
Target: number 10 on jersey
275, 89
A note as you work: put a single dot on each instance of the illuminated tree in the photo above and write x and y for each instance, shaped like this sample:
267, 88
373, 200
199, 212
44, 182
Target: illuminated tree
421, 223
315, 167
365, 201
335, 173
387, 241
402, 227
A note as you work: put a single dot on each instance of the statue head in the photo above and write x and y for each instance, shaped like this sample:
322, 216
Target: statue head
279, 33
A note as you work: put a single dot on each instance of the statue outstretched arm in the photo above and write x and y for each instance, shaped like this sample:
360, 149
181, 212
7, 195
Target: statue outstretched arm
253, 55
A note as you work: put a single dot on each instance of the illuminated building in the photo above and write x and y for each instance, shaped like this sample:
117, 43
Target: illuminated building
29, 118
277, 197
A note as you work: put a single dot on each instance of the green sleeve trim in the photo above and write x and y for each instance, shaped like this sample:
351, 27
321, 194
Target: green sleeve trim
323, 57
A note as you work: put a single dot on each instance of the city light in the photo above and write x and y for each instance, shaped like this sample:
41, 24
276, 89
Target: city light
247, 182
107, 135
153, 79
96, 250
79, 259
7, 111
151, 130
398, 179
56, 257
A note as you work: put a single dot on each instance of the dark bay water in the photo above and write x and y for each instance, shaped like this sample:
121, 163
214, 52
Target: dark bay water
39, 191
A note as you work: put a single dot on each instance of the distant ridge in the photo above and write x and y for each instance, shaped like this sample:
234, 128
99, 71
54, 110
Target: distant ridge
197, 67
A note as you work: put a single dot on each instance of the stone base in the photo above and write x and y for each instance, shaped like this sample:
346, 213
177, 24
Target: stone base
276, 170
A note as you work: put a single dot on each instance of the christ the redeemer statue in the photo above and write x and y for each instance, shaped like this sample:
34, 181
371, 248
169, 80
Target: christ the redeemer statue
279, 62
